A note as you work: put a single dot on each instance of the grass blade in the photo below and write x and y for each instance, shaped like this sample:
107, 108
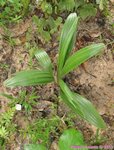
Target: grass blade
81, 56
81, 106
27, 78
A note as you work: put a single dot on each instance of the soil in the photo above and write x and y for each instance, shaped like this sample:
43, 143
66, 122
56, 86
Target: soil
93, 79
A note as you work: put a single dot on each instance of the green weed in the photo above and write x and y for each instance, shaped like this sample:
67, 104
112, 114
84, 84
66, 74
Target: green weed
98, 139
25, 99
13, 10
6, 126
41, 130
51, 20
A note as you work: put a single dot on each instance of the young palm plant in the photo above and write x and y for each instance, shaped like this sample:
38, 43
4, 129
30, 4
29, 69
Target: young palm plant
66, 63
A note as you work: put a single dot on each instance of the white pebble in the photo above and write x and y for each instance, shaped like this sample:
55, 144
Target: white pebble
18, 107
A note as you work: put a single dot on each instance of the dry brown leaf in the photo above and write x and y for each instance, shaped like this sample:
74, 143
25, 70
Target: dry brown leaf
95, 34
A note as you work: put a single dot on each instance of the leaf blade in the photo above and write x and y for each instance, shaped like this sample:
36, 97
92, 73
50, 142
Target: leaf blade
81, 56
27, 78
71, 138
81, 106
67, 39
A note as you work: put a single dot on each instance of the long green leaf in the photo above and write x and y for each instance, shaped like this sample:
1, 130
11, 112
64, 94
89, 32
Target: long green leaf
7, 96
81, 56
67, 39
27, 78
71, 138
81, 106
44, 60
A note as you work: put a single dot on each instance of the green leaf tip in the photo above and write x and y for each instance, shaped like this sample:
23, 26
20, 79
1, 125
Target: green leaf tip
44, 60
81, 106
30, 77
67, 39
81, 56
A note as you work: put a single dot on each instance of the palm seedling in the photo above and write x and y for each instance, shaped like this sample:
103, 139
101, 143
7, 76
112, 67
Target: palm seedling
66, 63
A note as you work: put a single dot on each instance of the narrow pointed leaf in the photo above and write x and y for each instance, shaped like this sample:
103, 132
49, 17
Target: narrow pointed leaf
7, 96
89, 112
27, 78
67, 39
81, 56
81, 106
71, 138
44, 60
